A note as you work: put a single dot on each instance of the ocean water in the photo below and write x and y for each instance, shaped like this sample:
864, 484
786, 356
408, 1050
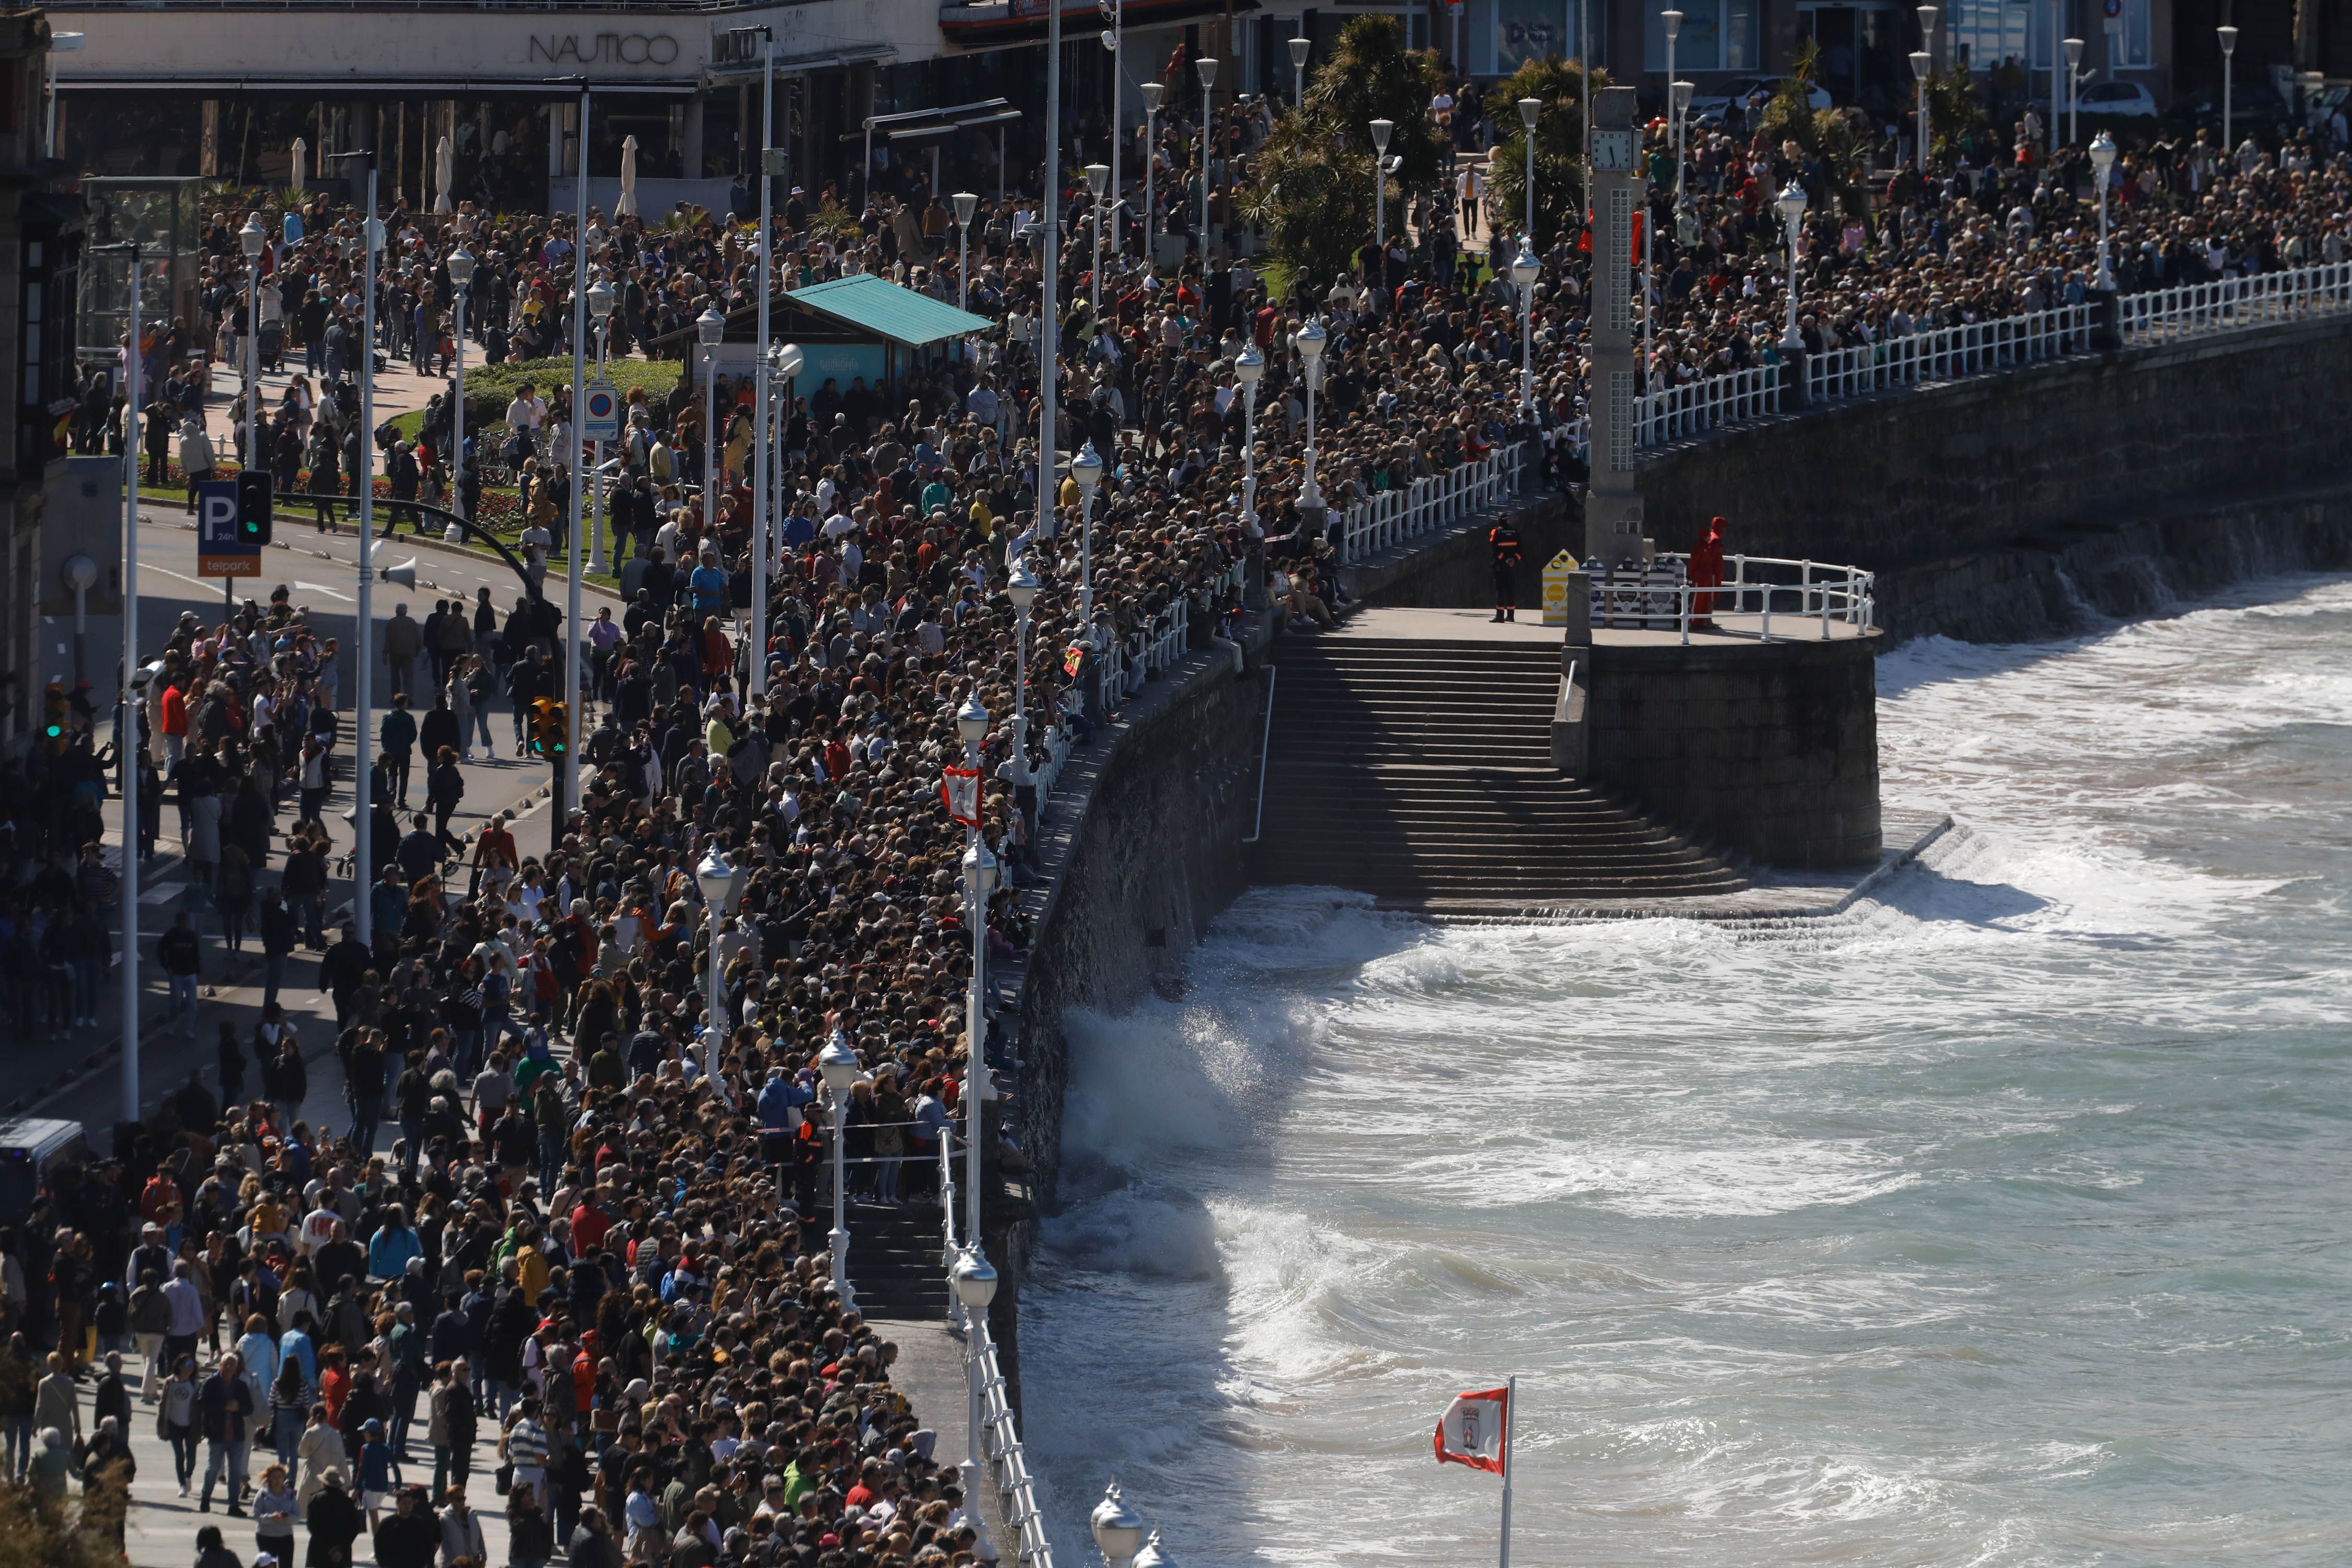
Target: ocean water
2006, 1219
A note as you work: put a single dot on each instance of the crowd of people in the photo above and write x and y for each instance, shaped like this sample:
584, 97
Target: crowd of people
568, 1206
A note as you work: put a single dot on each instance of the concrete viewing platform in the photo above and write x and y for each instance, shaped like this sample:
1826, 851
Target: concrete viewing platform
1480, 627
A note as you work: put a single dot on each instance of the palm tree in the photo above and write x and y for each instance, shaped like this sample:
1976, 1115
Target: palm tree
1371, 75
1560, 86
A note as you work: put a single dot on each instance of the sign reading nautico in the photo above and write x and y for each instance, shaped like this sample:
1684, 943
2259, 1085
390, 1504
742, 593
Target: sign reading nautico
604, 48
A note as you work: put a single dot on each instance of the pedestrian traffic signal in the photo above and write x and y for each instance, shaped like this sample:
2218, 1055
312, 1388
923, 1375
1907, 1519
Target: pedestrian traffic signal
55, 716
550, 731
253, 507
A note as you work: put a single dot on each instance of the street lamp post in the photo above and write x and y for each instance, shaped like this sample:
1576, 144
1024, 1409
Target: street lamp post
126, 722
2228, 37
1310, 341
1927, 30
2074, 88
601, 300
837, 1065
2103, 160
1524, 269
1790, 205
784, 361
461, 273
975, 1287
1672, 21
763, 446
1923, 66
978, 882
709, 328
719, 882
1249, 369
1530, 110
1299, 50
1114, 38
1153, 92
1087, 469
1678, 99
1021, 587
1119, 1530
1097, 176
1207, 66
567, 793
251, 239
1381, 130
1049, 251
370, 238
966, 203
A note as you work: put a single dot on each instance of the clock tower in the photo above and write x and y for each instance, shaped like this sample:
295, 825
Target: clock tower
1613, 507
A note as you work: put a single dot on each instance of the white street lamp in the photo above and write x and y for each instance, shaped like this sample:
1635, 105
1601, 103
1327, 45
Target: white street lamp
1381, 130
838, 1066
1249, 369
461, 265
966, 203
1298, 50
1672, 21
1021, 587
1155, 1555
1927, 28
1153, 92
974, 1280
2103, 160
979, 870
251, 240
1097, 176
1048, 240
1309, 341
1790, 205
2228, 37
2074, 88
1530, 110
1119, 1530
1923, 66
601, 300
1207, 66
1678, 99
710, 328
1114, 39
719, 882
1525, 270
1087, 469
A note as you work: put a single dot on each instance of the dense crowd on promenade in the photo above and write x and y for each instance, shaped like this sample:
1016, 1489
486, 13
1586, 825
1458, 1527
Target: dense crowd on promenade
546, 1226
1990, 232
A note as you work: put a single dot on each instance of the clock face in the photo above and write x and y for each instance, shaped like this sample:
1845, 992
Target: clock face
1612, 151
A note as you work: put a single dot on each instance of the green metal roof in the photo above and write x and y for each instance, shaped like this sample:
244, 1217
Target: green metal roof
878, 306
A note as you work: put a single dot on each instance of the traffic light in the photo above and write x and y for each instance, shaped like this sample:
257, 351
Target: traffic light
550, 731
56, 717
253, 507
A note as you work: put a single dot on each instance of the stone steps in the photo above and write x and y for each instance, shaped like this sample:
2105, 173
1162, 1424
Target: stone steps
1422, 772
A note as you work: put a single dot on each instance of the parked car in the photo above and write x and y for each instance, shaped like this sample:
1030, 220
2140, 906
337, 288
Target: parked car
1752, 92
2127, 97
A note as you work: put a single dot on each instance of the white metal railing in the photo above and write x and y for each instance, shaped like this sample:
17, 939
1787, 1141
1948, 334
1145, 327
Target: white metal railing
1949, 353
1696, 406
1662, 597
1000, 1433
1392, 517
2227, 304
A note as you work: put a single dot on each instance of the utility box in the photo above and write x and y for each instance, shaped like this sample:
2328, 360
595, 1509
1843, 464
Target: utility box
1560, 575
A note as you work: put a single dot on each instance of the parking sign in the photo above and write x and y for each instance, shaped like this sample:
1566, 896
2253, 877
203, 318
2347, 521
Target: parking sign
218, 554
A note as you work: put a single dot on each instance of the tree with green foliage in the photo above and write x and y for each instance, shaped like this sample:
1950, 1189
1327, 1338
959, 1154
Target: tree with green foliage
1831, 143
1560, 86
1312, 187
36, 1532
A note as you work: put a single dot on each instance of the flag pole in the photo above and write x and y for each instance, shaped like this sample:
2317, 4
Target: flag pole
1510, 1422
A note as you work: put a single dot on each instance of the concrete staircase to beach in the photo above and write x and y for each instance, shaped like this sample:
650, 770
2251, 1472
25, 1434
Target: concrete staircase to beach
1421, 771
893, 1261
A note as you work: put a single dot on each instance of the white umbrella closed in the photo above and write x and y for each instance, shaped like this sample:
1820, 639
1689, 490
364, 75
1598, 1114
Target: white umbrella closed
445, 174
301, 164
628, 205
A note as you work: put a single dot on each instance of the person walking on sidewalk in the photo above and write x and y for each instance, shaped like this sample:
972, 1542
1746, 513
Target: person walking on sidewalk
1503, 540
182, 957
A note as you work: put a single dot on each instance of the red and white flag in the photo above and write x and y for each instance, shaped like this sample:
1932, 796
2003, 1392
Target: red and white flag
1475, 1431
960, 791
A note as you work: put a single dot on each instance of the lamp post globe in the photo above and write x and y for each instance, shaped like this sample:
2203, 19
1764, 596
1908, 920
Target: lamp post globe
461, 265
1250, 367
1119, 1530
1673, 23
601, 300
710, 327
837, 1064
251, 237
716, 878
966, 203
1207, 66
1086, 467
788, 360
1021, 587
971, 722
1155, 1555
1923, 65
1381, 130
979, 868
1299, 47
975, 1279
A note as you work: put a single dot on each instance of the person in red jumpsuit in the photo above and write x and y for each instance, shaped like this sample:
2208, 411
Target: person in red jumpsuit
1706, 572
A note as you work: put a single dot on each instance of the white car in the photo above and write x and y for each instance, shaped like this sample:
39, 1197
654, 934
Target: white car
2119, 98
1751, 91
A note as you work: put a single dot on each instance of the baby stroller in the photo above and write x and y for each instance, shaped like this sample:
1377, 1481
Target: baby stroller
272, 345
